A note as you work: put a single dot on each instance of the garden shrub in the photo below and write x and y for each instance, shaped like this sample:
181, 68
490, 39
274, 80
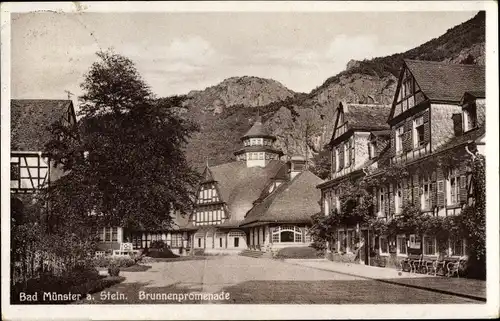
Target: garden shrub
297, 253
106, 261
162, 253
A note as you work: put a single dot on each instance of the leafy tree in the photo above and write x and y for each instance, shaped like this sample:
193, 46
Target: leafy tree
125, 156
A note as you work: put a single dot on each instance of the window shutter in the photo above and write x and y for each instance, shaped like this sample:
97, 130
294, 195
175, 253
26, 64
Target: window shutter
463, 189
433, 195
405, 191
352, 152
427, 128
341, 156
387, 203
416, 194
334, 161
390, 200
407, 135
393, 142
440, 202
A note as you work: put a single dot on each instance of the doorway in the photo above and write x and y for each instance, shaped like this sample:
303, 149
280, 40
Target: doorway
236, 242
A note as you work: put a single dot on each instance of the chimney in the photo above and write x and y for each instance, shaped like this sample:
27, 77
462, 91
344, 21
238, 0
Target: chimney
457, 124
296, 165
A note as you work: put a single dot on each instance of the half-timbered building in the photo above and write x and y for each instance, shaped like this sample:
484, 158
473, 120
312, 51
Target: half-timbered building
258, 201
436, 122
359, 136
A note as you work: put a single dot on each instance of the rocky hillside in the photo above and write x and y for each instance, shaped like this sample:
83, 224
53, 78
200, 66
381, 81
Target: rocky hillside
245, 91
303, 123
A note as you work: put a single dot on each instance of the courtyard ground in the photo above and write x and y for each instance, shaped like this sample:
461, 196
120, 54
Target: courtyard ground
249, 280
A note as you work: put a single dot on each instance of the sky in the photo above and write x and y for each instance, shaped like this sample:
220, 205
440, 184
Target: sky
178, 52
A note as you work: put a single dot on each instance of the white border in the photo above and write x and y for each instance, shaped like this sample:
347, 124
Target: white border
490, 309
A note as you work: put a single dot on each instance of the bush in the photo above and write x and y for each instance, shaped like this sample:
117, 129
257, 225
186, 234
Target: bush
113, 269
297, 253
161, 253
106, 261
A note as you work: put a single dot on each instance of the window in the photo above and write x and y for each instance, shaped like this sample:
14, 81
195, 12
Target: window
109, 234
384, 245
337, 163
381, 201
261, 155
398, 198
418, 131
454, 187
199, 242
429, 245
220, 241
176, 240
326, 203
399, 139
469, 116
425, 199
401, 245
347, 153
457, 247
287, 233
114, 234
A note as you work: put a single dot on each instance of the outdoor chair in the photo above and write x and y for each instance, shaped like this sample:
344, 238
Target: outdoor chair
453, 269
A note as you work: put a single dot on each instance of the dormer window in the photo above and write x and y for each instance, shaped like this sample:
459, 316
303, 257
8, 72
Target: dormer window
469, 116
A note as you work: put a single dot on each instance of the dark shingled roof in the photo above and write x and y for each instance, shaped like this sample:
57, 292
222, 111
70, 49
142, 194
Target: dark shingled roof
258, 130
30, 121
366, 116
292, 202
447, 81
471, 135
240, 185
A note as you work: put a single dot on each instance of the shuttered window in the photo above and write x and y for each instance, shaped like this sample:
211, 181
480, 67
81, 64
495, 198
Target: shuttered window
454, 187
399, 139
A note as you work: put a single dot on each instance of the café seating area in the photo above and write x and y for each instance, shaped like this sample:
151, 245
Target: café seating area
442, 266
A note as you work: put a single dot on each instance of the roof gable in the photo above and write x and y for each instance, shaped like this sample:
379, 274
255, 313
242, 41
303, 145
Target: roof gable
31, 120
446, 81
360, 117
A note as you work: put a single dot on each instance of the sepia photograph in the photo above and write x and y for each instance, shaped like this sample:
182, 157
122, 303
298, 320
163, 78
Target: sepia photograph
205, 157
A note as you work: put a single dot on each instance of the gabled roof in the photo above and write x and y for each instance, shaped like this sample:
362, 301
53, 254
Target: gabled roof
366, 116
446, 81
31, 119
240, 185
293, 202
258, 130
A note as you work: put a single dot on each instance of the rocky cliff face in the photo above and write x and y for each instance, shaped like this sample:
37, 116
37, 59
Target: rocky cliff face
245, 91
304, 123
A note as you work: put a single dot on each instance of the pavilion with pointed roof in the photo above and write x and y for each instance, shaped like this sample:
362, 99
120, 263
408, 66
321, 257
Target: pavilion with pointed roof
258, 201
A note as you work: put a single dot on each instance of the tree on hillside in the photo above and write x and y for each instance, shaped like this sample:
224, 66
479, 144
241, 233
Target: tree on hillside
128, 166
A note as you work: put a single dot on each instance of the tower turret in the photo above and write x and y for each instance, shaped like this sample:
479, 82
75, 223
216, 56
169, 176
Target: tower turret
258, 147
